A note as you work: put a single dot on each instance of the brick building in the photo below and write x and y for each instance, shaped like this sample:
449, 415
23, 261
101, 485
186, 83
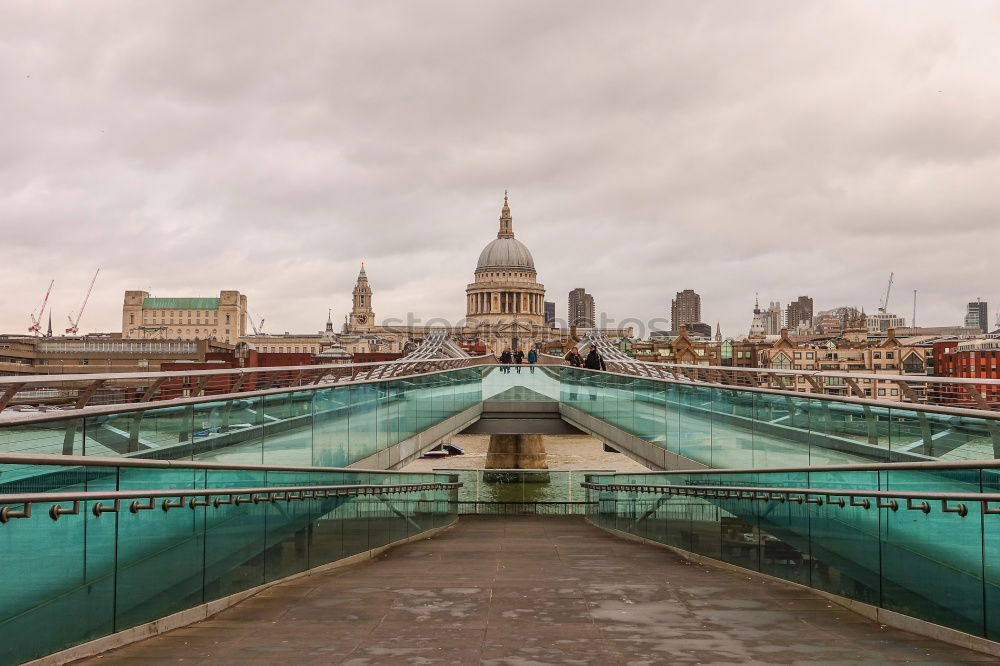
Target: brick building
685, 308
970, 359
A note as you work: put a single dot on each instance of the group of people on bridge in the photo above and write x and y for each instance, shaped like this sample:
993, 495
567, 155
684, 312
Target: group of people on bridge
594, 361
517, 358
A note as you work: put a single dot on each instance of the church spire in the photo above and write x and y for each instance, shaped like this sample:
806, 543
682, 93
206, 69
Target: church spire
506, 224
757, 329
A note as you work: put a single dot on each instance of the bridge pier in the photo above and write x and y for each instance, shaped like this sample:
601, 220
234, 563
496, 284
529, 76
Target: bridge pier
516, 452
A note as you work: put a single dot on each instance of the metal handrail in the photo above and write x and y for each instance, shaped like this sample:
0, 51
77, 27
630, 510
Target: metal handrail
684, 368
235, 496
41, 379
933, 379
157, 463
981, 412
922, 466
817, 496
911, 388
82, 388
123, 407
39, 417
687, 369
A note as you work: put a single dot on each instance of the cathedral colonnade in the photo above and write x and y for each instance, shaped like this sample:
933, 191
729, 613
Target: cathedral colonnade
506, 302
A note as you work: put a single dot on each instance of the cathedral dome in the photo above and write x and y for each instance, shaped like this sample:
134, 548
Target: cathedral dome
505, 253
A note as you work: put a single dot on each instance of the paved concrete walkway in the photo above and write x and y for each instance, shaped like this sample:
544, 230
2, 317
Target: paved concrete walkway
526, 591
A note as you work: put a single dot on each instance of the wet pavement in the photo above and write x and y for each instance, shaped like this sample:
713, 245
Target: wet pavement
526, 591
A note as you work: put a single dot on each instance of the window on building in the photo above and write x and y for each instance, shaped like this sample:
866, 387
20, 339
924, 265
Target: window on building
798, 355
881, 391
781, 362
877, 355
889, 354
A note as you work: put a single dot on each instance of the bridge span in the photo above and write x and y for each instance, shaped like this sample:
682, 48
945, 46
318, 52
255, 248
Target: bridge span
134, 505
530, 590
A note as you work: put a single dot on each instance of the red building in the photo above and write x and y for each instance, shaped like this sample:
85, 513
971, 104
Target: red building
970, 359
177, 387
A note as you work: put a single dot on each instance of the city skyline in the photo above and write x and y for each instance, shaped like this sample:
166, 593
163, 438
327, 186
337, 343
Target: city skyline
179, 175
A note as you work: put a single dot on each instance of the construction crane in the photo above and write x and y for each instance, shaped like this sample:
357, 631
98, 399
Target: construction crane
36, 322
258, 329
884, 307
74, 325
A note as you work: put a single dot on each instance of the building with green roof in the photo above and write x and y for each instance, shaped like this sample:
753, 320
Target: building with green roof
222, 318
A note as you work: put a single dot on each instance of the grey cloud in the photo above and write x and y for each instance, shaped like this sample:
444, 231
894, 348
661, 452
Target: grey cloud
779, 147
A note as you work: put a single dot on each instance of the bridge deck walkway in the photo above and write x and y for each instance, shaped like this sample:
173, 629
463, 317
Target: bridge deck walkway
534, 590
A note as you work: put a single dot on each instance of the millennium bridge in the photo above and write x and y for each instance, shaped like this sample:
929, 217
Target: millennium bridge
259, 516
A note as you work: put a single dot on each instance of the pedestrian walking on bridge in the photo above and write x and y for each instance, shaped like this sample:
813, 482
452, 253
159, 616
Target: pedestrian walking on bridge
594, 360
505, 359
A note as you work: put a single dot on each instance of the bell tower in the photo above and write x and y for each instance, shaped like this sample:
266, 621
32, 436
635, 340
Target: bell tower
362, 317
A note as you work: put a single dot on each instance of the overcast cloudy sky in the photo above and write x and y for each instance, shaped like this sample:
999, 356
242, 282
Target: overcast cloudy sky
730, 147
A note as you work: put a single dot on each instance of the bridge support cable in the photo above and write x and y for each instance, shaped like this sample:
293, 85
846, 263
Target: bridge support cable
617, 360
